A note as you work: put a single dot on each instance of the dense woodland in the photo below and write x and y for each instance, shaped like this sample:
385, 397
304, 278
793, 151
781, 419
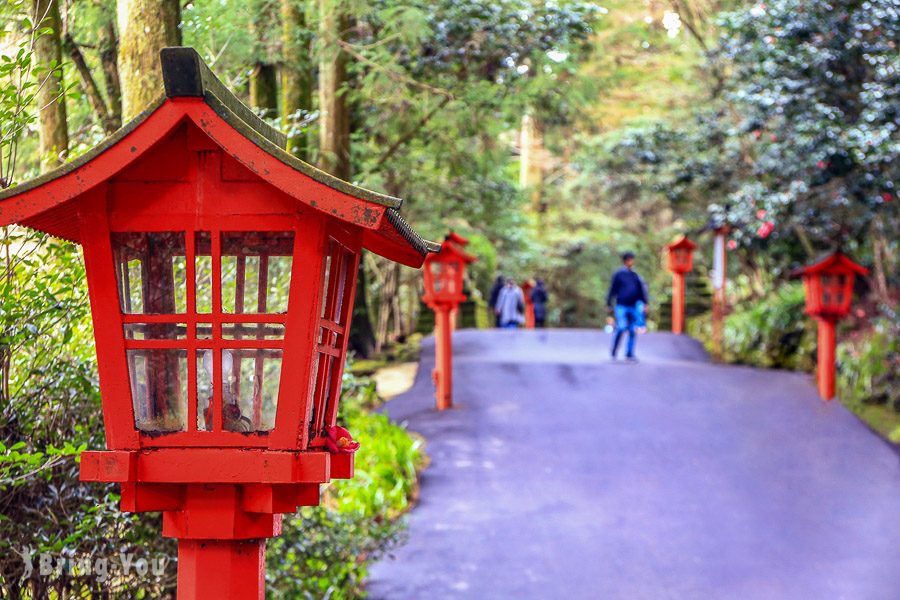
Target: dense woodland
553, 135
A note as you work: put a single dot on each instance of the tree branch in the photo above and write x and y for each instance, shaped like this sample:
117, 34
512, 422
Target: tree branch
88, 84
409, 135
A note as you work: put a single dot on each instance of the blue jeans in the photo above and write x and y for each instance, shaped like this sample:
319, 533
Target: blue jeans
627, 318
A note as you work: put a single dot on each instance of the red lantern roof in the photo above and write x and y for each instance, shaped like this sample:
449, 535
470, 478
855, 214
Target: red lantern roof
457, 239
837, 262
196, 97
682, 242
451, 251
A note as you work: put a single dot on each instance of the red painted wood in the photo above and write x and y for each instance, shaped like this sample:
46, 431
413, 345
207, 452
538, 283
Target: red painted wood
225, 570
150, 209
825, 354
677, 303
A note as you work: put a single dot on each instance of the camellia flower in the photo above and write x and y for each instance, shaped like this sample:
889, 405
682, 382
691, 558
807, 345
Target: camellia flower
765, 229
339, 441
761, 214
732, 244
886, 196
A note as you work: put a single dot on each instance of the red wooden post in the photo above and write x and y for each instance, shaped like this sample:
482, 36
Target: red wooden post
443, 358
680, 261
825, 355
221, 272
677, 303
829, 290
444, 276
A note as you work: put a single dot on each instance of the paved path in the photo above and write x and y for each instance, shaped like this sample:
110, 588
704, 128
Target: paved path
562, 475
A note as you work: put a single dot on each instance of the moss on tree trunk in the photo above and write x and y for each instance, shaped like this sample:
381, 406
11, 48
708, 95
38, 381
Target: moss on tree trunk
264, 89
145, 27
53, 127
334, 117
296, 74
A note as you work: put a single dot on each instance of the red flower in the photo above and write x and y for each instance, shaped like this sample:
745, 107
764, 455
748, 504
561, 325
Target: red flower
765, 229
773, 137
339, 441
821, 164
761, 214
886, 196
757, 133
732, 244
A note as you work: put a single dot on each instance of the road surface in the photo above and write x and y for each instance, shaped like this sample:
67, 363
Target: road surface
559, 474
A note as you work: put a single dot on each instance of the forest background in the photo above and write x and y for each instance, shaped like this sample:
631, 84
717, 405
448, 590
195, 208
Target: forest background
554, 135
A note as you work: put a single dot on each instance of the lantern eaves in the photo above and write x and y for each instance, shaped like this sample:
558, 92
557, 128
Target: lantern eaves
836, 261
186, 76
682, 242
449, 250
457, 239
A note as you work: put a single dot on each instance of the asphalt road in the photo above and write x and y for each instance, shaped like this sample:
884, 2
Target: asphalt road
561, 475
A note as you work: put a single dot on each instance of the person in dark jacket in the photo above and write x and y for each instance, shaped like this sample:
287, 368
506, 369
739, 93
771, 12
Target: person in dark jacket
539, 300
625, 292
495, 295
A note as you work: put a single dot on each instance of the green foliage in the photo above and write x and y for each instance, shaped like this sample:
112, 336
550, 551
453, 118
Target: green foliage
868, 371
325, 551
814, 83
772, 332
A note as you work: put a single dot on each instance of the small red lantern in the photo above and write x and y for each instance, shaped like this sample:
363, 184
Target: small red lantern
829, 291
681, 255
444, 278
681, 261
221, 272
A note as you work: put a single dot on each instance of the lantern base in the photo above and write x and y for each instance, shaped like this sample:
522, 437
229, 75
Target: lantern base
222, 569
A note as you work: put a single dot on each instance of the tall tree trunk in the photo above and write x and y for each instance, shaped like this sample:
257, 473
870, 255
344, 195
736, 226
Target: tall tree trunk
531, 157
145, 27
109, 51
334, 117
264, 89
53, 126
296, 75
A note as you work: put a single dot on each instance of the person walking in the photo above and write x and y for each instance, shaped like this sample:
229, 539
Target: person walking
626, 291
495, 295
539, 299
510, 308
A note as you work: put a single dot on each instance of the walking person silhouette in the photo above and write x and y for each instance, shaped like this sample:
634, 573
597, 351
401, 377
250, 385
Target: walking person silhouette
626, 304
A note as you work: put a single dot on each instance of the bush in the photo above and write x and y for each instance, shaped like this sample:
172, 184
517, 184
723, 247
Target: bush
771, 333
868, 372
325, 551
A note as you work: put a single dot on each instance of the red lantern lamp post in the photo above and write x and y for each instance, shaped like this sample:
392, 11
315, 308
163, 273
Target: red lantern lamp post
444, 277
681, 261
221, 272
829, 290
460, 242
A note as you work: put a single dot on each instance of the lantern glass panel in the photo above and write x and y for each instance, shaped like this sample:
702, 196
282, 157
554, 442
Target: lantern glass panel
158, 388
150, 272
241, 360
256, 271
250, 384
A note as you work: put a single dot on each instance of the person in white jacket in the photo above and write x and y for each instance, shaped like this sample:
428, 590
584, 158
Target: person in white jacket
510, 306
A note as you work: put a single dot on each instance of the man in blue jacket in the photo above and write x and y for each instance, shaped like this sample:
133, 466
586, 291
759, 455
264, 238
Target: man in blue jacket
627, 291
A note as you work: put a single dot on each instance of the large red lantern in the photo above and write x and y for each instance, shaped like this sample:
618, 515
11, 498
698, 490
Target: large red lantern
221, 272
444, 279
681, 262
829, 291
